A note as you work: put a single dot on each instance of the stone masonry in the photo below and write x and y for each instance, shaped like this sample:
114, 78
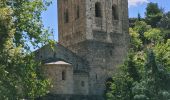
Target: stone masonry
93, 42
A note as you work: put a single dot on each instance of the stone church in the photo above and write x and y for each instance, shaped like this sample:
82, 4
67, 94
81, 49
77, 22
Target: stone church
93, 42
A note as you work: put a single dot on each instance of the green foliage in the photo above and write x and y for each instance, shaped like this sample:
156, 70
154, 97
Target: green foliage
21, 76
122, 83
154, 85
141, 27
132, 22
141, 78
28, 22
164, 24
120, 88
153, 35
136, 43
165, 21
153, 14
131, 68
145, 74
162, 52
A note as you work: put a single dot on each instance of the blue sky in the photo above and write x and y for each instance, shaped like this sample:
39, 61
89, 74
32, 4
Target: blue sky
50, 17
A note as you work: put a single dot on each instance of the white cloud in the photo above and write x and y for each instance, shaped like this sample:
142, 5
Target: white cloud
137, 2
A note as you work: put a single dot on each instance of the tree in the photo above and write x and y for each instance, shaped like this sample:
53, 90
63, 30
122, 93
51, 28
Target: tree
139, 17
153, 14
136, 42
140, 28
21, 76
132, 22
120, 88
122, 83
162, 52
153, 35
164, 24
154, 85
28, 22
132, 83
145, 74
165, 21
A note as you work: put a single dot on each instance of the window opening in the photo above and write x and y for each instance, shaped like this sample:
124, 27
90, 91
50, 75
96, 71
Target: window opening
77, 12
66, 16
82, 83
98, 12
63, 75
115, 12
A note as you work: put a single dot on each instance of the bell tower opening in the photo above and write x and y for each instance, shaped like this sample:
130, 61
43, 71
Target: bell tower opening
115, 15
77, 9
97, 32
98, 12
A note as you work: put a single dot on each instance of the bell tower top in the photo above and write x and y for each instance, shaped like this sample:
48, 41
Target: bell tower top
72, 21
97, 20
97, 31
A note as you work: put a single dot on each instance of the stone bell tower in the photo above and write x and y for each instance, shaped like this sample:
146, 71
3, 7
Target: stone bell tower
97, 31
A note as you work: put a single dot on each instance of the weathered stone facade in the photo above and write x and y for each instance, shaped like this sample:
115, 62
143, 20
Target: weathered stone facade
93, 39
61, 84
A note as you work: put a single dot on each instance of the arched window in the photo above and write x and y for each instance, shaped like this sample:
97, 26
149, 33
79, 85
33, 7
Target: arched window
66, 16
98, 12
63, 75
115, 12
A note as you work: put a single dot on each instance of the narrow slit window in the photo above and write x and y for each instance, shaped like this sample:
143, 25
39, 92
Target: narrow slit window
96, 77
98, 12
63, 75
77, 12
66, 16
115, 12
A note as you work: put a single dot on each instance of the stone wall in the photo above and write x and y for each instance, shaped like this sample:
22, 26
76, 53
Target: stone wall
104, 29
60, 53
73, 31
106, 42
103, 58
77, 70
87, 25
95, 45
54, 73
81, 83
105, 24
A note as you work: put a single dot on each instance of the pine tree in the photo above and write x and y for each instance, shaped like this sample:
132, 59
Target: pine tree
153, 14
